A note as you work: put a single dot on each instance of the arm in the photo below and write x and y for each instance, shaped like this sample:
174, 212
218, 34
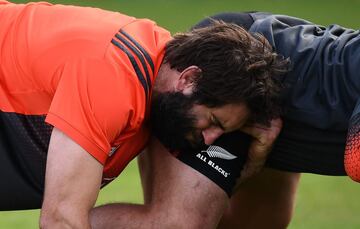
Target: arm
261, 145
72, 183
176, 196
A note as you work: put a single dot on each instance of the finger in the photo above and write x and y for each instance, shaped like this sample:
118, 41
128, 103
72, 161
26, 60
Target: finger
261, 132
252, 130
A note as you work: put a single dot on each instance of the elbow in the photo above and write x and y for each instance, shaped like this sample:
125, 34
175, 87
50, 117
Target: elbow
53, 219
48, 220
62, 218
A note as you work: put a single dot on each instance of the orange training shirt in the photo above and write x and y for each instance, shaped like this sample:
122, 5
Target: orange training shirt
87, 70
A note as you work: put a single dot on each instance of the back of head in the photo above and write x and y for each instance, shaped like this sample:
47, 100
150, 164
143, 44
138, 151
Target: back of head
237, 67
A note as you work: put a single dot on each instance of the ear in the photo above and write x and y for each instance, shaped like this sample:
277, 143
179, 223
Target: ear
186, 81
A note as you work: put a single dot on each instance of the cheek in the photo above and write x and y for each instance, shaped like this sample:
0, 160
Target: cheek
241, 122
201, 124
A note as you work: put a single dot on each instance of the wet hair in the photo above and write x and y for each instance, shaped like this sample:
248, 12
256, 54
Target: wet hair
236, 67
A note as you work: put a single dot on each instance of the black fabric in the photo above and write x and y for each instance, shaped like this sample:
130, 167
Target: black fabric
223, 168
24, 141
321, 92
139, 56
305, 149
136, 67
324, 84
143, 51
299, 148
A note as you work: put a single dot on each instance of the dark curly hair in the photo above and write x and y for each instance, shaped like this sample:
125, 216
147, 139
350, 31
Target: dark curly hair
237, 67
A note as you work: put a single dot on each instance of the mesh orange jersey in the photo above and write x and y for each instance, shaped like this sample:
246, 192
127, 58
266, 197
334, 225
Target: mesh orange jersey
84, 70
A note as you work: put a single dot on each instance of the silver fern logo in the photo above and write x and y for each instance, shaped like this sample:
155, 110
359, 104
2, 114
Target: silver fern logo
219, 152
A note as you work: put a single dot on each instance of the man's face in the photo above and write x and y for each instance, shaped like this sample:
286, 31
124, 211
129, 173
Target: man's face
210, 123
181, 124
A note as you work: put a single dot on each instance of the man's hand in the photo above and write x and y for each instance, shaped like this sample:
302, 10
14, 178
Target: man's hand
72, 183
260, 147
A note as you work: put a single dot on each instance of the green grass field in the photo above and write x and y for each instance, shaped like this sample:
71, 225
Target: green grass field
322, 202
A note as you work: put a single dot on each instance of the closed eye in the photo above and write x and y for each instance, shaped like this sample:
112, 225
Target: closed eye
216, 122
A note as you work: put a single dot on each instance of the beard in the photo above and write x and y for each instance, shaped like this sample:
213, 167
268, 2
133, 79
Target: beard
172, 122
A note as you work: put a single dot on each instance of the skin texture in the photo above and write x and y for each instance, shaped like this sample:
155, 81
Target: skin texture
176, 196
69, 193
73, 179
260, 147
213, 122
174, 193
263, 201
73, 176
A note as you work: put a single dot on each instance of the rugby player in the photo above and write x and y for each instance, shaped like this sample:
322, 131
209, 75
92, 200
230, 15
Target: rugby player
320, 135
76, 87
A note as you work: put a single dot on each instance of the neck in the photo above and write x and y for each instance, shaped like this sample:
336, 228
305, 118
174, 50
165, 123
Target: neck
165, 79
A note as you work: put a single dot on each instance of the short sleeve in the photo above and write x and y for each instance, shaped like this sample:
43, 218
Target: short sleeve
91, 105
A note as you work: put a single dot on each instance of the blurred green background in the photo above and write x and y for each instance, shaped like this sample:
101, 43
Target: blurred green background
322, 202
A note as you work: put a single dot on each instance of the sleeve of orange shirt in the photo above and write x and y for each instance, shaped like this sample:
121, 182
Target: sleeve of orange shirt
92, 105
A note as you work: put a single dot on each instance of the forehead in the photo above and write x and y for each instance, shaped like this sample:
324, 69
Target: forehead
230, 110
230, 115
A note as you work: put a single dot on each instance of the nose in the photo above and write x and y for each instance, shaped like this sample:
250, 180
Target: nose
211, 134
